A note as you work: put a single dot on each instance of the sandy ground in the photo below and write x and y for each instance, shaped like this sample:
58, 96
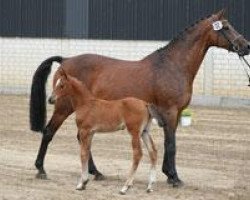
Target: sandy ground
213, 159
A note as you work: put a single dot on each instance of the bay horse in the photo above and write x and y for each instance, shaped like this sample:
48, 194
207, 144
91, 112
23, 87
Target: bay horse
96, 115
163, 78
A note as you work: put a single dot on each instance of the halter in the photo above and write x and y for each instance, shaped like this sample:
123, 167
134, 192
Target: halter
218, 26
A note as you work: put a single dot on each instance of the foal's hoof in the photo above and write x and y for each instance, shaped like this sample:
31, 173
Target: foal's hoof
40, 175
175, 182
81, 187
124, 189
122, 192
99, 177
149, 190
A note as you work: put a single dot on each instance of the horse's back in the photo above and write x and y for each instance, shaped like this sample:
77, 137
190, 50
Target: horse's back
110, 78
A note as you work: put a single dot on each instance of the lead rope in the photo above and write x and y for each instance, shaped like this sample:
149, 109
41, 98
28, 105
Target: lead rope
246, 62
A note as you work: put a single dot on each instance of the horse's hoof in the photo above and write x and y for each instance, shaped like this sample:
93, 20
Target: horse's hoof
175, 182
99, 177
41, 176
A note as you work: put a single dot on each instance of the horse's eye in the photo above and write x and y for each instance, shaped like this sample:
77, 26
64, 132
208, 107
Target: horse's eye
226, 27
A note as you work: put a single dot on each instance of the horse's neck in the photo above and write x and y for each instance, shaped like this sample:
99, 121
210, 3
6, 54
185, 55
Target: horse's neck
80, 95
187, 53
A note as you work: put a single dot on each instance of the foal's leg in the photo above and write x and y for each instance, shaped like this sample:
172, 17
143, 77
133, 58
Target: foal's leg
92, 168
137, 155
85, 140
149, 143
61, 112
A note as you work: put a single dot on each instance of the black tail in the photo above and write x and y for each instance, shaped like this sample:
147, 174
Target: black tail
38, 94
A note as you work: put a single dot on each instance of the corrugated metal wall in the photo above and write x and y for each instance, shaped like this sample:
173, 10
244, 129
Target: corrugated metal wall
36, 18
113, 19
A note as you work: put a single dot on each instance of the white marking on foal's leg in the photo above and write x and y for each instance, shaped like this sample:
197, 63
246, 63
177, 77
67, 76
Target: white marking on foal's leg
84, 178
137, 155
84, 147
127, 185
152, 179
153, 156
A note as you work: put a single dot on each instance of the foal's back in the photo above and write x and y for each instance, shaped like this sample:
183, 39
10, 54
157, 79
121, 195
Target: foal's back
104, 116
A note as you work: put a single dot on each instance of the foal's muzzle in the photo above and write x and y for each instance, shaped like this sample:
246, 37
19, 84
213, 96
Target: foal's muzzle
51, 100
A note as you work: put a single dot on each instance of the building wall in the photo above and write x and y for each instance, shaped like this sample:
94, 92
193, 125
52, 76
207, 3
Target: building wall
113, 19
221, 73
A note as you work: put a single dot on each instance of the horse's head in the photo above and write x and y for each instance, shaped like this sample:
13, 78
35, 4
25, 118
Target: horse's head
223, 34
61, 86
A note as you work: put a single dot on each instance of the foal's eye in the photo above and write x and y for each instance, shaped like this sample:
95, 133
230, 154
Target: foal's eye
226, 27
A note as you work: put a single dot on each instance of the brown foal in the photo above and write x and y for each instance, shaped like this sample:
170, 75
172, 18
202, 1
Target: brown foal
96, 115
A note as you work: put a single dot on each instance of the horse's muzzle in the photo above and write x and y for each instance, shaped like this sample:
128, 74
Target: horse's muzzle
244, 51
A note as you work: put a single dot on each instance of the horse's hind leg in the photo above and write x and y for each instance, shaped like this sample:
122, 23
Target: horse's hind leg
149, 143
137, 155
55, 122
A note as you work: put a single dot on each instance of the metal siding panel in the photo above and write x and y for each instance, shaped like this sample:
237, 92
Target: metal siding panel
52, 18
31, 18
93, 19
76, 19
175, 17
106, 25
122, 23
142, 17
235, 15
199, 9
247, 20
100, 19
113, 19
155, 29
10, 14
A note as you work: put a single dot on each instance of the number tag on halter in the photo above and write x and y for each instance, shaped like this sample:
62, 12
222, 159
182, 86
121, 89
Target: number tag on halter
217, 25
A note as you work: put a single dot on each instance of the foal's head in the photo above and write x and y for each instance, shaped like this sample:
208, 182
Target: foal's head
222, 34
64, 85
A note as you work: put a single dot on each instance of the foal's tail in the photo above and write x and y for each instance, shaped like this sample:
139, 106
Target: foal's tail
38, 94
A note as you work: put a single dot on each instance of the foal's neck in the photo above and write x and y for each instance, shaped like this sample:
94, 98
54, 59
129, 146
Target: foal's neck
80, 94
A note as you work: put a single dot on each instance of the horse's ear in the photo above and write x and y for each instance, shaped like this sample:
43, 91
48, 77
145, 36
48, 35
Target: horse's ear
221, 13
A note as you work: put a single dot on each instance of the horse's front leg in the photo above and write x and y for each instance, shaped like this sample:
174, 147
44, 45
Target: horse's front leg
170, 118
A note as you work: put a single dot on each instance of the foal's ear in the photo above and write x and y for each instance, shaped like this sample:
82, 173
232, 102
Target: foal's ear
221, 13
63, 74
